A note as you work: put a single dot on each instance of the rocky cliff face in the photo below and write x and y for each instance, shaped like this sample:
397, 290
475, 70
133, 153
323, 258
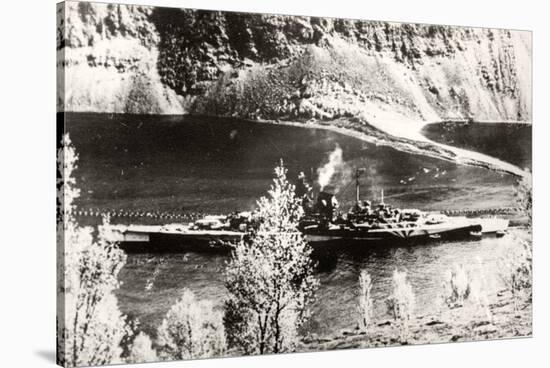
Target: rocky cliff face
121, 58
107, 60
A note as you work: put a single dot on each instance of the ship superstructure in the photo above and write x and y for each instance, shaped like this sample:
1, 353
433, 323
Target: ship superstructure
365, 222
383, 222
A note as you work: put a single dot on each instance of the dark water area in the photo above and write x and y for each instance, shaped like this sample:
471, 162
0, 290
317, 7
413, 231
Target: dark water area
221, 165
189, 164
153, 282
507, 141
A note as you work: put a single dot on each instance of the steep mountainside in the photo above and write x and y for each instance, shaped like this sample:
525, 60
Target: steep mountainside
121, 58
110, 57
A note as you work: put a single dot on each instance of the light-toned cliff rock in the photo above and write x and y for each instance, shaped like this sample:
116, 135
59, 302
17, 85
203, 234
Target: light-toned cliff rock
107, 61
121, 58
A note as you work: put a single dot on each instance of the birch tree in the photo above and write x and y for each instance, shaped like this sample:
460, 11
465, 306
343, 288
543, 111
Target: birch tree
192, 329
401, 303
90, 325
366, 302
270, 276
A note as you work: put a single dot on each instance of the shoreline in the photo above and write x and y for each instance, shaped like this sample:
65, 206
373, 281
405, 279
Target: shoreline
411, 142
455, 325
399, 133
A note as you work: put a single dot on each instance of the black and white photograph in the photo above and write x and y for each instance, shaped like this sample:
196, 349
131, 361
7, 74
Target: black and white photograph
234, 184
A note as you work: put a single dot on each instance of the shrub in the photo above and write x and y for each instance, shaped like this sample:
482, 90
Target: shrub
365, 300
465, 297
270, 276
458, 287
90, 324
524, 195
142, 350
191, 329
141, 97
401, 303
516, 272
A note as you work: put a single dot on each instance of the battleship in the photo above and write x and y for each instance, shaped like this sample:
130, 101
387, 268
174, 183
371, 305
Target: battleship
368, 223
323, 221
383, 223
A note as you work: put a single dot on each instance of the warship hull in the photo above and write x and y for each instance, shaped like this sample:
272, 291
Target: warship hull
455, 228
177, 238
392, 235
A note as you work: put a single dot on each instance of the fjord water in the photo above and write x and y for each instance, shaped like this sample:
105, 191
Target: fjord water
211, 165
218, 165
510, 142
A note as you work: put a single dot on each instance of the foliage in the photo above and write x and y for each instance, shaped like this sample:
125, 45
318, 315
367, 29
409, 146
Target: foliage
190, 41
261, 92
524, 194
257, 94
401, 303
366, 302
516, 271
190, 330
270, 276
465, 297
140, 98
458, 287
90, 324
142, 350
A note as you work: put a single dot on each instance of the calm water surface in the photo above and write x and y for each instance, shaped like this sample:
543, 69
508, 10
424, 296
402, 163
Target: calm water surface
508, 142
193, 164
153, 283
219, 165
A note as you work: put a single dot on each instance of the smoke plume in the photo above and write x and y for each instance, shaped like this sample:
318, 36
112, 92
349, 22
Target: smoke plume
334, 165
